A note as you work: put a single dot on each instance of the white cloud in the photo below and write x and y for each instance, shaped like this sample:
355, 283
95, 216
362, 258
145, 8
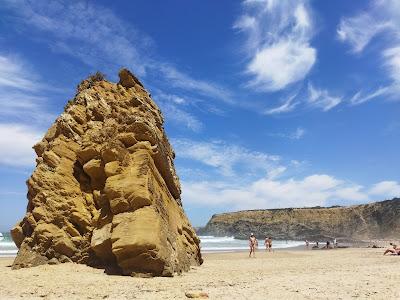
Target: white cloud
319, 98
386, 189
269, 192
16, 143
272, 186
351, 193
227, 159
278, 42
21, 101
287, 106
280, 64
263, 193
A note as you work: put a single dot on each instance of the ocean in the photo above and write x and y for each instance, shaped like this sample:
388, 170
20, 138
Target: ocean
208, 244
229, 244
7, 246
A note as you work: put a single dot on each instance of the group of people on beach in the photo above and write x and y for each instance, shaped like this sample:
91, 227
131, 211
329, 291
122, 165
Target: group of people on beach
328, 245
253, 244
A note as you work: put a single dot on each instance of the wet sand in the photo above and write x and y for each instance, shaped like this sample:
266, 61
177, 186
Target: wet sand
286, 274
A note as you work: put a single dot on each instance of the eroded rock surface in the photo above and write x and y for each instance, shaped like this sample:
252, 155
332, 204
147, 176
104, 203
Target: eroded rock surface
105, 191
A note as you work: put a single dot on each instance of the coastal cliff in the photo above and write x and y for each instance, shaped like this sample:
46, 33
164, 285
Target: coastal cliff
104, 191
379, 220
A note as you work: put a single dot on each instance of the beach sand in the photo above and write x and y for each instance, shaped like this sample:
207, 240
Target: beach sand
312, 274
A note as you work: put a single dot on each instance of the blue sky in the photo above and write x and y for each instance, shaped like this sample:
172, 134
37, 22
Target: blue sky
267, 103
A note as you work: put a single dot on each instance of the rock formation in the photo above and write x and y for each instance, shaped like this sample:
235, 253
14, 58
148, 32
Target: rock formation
379, 220
104, 191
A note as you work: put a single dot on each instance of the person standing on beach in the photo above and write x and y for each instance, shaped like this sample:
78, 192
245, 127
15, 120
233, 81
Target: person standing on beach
307, 244
266, 243
253, 243
269, 244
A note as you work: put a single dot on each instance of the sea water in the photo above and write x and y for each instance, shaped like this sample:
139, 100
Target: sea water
7, 246
230, 244
208, 244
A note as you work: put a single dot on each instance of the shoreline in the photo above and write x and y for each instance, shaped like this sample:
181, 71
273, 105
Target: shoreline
284, 274
360, 245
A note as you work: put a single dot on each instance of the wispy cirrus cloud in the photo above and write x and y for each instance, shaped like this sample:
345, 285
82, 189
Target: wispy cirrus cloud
278, 42
16, 75
99, 38
361, 97
24, 107
22, 95
297, 134
87, 31
287, 106
392, 64
359, 30
322, 99
381, 18
227, 159
172, 107
22, 111
185, 82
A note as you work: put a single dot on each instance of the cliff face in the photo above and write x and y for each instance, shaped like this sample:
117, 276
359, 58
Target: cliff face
104, 191
371, 221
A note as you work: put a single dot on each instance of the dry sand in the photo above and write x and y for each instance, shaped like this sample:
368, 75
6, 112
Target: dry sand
333, 274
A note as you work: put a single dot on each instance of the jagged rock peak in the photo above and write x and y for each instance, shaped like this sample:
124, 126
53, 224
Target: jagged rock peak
104, 191
127, 79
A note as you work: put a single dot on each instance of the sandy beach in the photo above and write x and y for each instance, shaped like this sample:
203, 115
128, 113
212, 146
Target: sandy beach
339, 274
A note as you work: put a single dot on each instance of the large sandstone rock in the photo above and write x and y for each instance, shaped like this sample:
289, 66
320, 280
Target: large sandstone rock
104, 191
379, 220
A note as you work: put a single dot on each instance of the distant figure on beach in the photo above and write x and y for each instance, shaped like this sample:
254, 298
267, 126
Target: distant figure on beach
307, 244
253, 243
269, 241
266, 243
395, 250
328, 245
316, 246
335, 243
